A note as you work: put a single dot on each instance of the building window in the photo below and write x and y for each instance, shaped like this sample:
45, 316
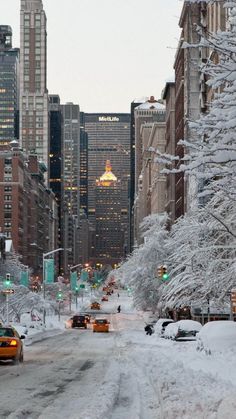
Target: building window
7, 224
7, 161
7, 197
7, 206
7, 188
7, 215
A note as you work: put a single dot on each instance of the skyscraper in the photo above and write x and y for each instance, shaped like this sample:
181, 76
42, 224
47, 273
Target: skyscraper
70, 183
108, 139
34, 133
109, 234
83, 166
9, 85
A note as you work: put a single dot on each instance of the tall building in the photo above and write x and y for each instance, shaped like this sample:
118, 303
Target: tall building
108, 139
109, 234
29, 211
83, 166
34, 135
169, 97
55, 145
134, 105
71, 179
9, 87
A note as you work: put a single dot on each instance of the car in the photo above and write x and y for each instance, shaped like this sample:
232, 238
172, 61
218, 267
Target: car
105, 298
95, 306
182, 330
11, 346
87, 316
101, 325
160, 326
79, 321
217, 336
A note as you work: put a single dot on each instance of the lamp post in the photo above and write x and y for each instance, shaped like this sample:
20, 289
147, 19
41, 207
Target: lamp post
72, 267
45, 255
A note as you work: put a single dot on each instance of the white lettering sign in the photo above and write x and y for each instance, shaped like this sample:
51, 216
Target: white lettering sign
108, 119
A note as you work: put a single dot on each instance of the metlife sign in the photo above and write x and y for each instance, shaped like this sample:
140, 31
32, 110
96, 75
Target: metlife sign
108, 119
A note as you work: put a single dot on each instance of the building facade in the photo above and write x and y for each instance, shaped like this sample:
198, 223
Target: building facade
29, 215
70, 182
9, 87
109, 234
108, 139
34, 126
169, 97
147, 113
151, 196
55, 146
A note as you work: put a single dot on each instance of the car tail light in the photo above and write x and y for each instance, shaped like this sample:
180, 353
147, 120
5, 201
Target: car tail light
13, 342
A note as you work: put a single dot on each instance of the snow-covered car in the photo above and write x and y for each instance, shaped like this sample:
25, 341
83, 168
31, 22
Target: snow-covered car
182, 330
160, 326
217, 336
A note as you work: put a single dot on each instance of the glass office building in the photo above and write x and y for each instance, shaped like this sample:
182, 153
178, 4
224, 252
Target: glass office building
9, 71
109, 139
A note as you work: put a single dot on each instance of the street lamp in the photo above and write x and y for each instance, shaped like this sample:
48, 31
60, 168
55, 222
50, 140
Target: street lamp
45, 255
76, 289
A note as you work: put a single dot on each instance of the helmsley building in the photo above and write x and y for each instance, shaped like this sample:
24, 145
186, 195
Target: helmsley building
108, 139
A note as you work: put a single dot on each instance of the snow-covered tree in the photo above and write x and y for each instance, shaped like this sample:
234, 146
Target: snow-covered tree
202, 255
139, 272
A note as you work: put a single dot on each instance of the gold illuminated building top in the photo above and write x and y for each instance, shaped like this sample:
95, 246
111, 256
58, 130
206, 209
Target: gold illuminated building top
108, 178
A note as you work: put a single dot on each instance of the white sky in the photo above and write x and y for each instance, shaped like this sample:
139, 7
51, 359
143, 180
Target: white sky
103, 54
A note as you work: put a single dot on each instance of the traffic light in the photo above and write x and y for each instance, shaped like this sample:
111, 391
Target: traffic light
160, 271
76, 289
7, 281
165, 275
59, 295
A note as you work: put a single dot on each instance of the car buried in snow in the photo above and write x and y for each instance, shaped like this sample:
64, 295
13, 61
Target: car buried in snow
182, 330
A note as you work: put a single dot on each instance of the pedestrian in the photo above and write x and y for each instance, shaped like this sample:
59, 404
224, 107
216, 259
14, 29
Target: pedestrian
118, 309
118, 295
148, 329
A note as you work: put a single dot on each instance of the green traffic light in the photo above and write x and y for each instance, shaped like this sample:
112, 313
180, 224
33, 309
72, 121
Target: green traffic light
165, 277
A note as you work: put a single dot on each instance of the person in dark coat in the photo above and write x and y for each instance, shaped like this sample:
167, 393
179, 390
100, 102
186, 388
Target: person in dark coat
148, 329
118, 309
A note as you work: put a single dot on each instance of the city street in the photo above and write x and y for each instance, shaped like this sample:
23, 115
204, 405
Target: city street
123, 374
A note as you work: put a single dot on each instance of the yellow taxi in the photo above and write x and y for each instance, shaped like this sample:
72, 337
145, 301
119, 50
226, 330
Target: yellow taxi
95, 306
11, 346
101, 325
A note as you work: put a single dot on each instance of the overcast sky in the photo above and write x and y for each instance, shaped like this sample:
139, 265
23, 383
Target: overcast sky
103, 54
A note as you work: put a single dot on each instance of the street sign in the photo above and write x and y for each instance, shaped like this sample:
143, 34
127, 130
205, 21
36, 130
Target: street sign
9, 291
82, 286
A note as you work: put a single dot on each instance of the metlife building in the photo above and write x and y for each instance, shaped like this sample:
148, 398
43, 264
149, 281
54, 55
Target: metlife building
108, 139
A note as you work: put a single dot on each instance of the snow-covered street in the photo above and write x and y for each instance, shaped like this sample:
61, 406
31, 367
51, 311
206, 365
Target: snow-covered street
124, 374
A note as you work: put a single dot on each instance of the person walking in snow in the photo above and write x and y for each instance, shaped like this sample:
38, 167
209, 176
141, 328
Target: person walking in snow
118, 309
148, 329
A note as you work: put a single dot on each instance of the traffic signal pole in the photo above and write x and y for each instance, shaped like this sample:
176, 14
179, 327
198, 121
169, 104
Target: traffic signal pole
7, 307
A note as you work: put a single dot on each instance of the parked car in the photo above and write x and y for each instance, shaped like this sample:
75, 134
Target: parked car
105, 298
160, 326
87, 317
101, 325
182, 330
79, 321
11, 346
217, 336
95, 306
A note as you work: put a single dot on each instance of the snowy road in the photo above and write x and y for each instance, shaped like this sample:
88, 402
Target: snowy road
121, 375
